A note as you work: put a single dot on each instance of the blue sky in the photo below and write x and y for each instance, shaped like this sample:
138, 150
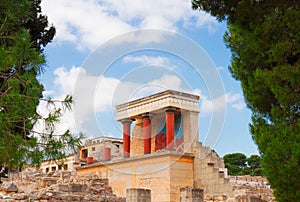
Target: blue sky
88, 33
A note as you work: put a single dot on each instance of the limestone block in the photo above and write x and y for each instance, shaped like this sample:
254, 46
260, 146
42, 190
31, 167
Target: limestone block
19, 196
63, 187
77, 187
189, 194
9, 187
70, 197
248, 198
138, 195
47, 181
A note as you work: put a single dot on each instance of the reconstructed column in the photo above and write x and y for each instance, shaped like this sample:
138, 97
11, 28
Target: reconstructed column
170, 129
147, 133
126, 137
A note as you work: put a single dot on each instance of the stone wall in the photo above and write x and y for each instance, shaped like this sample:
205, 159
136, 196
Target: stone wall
164, 173
137, 140
189, 194
138, 195
209, 172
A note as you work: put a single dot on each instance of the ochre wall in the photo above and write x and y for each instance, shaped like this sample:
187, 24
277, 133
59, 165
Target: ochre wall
164, 175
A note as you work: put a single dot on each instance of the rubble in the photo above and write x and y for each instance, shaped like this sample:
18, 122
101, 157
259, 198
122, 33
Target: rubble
68, 186
58, 186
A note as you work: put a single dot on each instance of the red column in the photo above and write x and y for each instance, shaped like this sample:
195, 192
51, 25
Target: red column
170, 113
147, 134
126, 138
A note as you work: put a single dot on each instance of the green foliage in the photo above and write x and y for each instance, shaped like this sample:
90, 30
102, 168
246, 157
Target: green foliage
233, 170
264, 39
253, 161
239, 164
237, 159
23, 32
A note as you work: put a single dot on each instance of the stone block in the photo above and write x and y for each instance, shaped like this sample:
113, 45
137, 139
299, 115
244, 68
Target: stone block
77, 187
63, 187
189, 194
9, 187
20, 196
248, 198
48, 181
138, 195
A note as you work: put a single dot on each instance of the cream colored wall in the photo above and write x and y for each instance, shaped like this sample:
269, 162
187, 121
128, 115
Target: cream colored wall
164, 175
207, 175
98, 153
190, 129
69, 161
137, 139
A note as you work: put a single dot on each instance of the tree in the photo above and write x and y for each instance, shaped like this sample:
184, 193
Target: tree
237, 159
239, 164
264, 39
24, 31
235, 163
253, 162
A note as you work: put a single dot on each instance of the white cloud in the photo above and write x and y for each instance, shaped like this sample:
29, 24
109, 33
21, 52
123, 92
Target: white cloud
207, 105
147, 60
94, 94
127, 91
47, 93
172, 82
240, 105
90, 22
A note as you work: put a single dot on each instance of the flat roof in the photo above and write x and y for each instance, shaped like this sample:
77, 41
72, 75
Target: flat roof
156, 103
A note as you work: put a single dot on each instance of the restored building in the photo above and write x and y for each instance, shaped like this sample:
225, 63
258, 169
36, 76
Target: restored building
97, 147
67, 164
93, 148
161, 151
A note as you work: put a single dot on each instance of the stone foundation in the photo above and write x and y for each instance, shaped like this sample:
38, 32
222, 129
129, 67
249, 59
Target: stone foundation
188, 194
138, 195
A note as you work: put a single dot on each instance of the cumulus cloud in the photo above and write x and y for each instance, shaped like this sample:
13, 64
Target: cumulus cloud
89, 23
207, 105
100, 94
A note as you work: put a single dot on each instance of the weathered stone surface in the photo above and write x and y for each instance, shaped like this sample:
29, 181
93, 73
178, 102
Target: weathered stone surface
77, 187
188, 194
138, 195
248, 198
70, 197
9, 187
45, 195
63, 187
18, 196
47, 181
33, 196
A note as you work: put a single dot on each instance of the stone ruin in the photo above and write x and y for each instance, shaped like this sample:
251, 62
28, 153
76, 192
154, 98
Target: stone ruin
165, 135
30, 185
56, 186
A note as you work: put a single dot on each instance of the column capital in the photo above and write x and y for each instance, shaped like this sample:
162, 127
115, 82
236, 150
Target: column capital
170, 109
147, 115
126, 121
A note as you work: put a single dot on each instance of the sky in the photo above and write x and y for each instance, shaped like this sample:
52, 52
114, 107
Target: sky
107, 52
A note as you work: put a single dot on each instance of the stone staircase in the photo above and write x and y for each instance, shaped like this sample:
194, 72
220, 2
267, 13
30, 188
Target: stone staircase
210, 173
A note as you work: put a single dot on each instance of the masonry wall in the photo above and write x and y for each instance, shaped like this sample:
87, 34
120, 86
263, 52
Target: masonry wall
164, 175
137, 139
209, 172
